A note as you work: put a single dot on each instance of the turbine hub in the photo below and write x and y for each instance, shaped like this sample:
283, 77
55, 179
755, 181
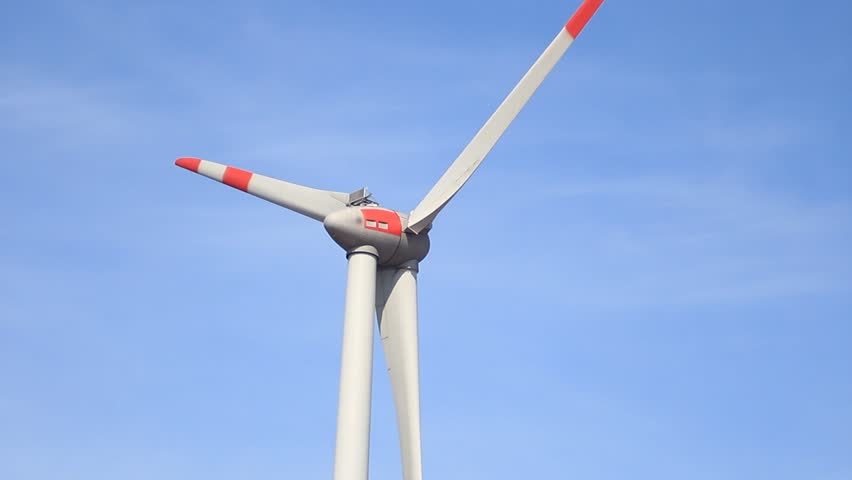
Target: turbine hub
380, 228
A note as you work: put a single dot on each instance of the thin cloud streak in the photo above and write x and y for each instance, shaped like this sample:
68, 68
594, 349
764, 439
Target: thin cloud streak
624, 261
645, 243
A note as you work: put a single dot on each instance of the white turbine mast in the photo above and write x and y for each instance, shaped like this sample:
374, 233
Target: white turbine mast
384, 249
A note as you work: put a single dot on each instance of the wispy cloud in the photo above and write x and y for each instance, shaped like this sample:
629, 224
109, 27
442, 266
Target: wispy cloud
64, 112
153, 318
654, 242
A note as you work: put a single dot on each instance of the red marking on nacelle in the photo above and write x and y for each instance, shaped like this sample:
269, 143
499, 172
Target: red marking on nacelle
380, 220
189, 163
582, 16
237, 178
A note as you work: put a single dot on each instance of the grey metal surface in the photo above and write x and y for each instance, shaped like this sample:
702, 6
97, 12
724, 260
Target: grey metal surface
311, 202
346, 228
396, 310
352, 451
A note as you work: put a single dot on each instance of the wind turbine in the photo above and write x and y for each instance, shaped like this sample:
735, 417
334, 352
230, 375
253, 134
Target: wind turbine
384, 249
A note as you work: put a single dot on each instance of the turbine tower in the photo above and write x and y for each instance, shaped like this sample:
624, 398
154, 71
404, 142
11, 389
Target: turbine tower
384, 249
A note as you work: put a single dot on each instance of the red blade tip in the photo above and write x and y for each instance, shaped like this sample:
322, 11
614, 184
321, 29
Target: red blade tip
188, 163
582, 16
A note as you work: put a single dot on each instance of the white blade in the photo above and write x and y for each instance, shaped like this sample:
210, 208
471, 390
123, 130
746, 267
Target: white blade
396, 308
468, 161
310, 202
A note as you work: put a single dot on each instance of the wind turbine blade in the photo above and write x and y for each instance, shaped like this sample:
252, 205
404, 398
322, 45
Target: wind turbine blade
396, 309
469, 160
310, 202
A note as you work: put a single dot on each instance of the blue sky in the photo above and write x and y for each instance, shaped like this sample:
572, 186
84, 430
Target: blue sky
650, 276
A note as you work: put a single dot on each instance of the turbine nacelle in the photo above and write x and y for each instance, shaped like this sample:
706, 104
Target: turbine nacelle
380, 228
